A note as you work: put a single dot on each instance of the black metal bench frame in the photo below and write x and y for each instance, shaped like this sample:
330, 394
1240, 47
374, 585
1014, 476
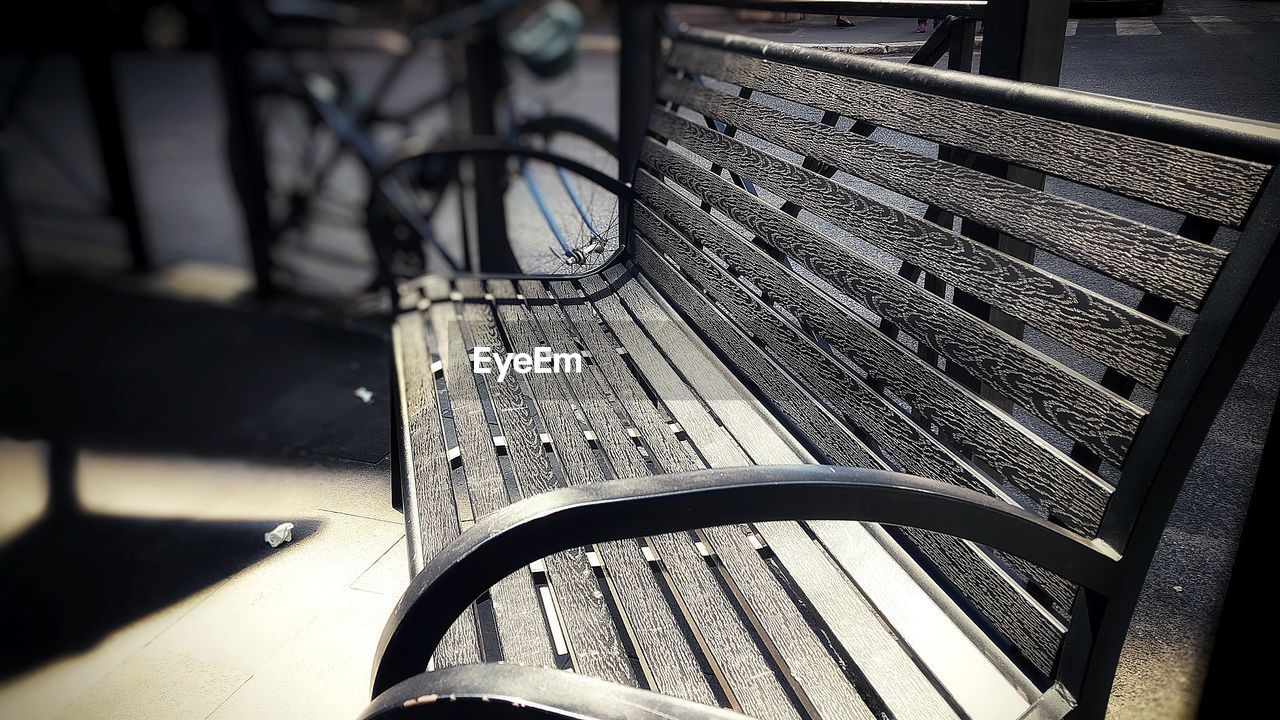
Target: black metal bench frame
1109, 570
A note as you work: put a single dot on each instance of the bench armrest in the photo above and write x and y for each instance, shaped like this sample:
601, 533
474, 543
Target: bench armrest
504, 541
515, 691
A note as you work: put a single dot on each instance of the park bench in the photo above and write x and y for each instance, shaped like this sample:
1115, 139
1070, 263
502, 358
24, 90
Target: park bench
788, 346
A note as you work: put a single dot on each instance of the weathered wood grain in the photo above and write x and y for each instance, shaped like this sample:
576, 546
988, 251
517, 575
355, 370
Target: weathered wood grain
522, 634
851, 620
1092, 324
912, 447
895, 677
1058, 395
729, 405
935, 640
1198, 183
596, 647
1026, 623
727, 642
427, 473
1010, 609
710, 438
1164, 263
847, 392
941, 641
814, 422
1014, 453
818, 681
670, 660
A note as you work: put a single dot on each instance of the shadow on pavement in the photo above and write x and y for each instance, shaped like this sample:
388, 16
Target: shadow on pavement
73, 578
119, 370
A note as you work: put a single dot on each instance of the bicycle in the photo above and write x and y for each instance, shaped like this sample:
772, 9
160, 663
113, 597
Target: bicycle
408, 183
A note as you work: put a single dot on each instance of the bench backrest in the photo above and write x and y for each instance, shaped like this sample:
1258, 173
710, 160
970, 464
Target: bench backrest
1077, 384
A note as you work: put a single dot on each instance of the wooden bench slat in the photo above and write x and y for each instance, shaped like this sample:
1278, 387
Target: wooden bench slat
843, 389
891, 670
712, 441
595, 645
1014, 453
726, 641
964, 668
819, 682
1198, 183
1066, 491
667, 655
428, 493
1024, 623
934, 637
569, 574
814, 422
759, 440
1166, 264
521, 630
913, 447
1058, 395
1096, 326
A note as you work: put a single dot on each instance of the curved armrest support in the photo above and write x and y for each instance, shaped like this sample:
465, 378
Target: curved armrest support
497, 691
523, 532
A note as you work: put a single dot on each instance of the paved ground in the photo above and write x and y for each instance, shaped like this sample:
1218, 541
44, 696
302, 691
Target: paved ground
282, 437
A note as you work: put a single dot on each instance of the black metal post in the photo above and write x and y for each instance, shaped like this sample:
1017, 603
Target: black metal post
486, 78
1024, 39
638, 57
244, 139
11, 230
100, 84
61, 463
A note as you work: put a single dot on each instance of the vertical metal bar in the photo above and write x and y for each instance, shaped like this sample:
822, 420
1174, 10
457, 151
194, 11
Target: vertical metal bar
395, 438
638, 57
61, 464
100, 85
486, 77
960, 43
10, 228
244, 139
1024, 39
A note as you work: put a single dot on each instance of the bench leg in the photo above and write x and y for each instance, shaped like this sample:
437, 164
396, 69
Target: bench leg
10, 229
61, 467
100, 83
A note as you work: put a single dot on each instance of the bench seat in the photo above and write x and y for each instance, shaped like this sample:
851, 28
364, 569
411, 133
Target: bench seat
848, 624
1007, 350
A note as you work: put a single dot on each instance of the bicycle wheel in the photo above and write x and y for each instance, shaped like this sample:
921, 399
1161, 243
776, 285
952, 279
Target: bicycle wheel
561, 222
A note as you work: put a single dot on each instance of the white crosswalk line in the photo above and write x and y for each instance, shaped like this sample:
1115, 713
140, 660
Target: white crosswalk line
1071, 27
1218, 25
1136, 26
